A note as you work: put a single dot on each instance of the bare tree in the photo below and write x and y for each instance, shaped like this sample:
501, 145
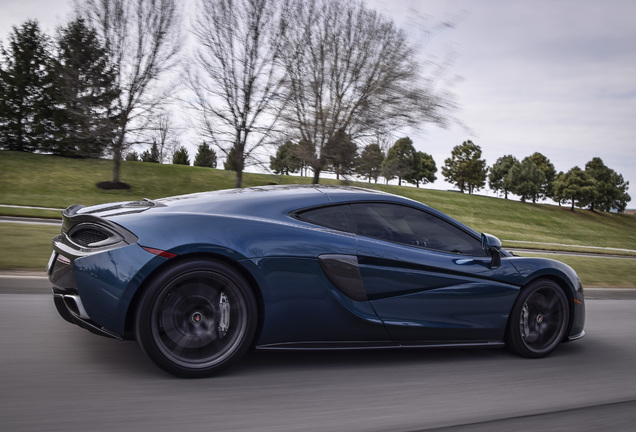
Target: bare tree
236, 80
143, 39
163, 133
351, 69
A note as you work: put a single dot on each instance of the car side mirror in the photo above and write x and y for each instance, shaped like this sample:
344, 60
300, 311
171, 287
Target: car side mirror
491, 245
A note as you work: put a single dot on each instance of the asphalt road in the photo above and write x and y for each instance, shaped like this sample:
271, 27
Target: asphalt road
58, 377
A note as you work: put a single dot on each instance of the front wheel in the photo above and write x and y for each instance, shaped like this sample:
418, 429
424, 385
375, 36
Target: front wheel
196, 318
539, 320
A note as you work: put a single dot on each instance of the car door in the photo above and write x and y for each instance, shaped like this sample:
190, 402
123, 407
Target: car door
428, 279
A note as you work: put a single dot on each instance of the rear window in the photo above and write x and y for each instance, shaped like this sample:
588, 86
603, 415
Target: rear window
337, 217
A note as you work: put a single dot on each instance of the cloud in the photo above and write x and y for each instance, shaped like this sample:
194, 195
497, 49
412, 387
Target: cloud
553, 77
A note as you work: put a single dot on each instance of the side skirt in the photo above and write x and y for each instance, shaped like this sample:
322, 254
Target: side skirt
356, 345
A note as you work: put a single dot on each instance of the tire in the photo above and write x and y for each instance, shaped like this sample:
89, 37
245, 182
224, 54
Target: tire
196, 318
539, 319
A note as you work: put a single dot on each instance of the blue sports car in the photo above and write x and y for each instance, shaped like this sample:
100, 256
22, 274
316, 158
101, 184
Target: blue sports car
199, 279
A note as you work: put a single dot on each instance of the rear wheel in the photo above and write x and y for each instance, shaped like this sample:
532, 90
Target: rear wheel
538, 320
196, 318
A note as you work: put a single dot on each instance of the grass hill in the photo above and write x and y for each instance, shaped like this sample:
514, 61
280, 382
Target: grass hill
50, 181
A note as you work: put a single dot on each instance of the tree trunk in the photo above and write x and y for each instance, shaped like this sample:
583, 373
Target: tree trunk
239, 164
19, 142
316, 178
117, 154
118, 149
116, 164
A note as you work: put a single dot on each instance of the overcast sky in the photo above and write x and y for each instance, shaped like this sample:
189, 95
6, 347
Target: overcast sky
557, 77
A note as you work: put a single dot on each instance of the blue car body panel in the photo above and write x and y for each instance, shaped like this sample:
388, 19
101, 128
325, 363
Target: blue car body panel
413, 290
303, 306
106, 282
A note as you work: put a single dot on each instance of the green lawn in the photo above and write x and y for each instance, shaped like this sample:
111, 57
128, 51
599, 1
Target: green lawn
26, 247
599, 272
50, 181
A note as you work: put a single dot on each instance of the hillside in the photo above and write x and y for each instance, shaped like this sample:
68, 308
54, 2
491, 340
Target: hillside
50, 181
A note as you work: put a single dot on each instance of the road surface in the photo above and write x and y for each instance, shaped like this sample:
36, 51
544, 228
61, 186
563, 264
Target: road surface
57, 377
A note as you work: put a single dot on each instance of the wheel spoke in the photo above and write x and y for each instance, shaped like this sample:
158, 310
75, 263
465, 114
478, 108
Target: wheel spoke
553, 303
201, 290
179, 346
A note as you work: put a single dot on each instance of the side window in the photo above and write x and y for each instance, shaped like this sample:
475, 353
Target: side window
337, 217
406, 225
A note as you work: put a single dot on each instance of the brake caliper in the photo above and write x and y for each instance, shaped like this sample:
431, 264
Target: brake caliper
224, 308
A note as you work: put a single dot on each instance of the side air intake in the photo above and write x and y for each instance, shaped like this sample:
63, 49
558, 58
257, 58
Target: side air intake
343, 272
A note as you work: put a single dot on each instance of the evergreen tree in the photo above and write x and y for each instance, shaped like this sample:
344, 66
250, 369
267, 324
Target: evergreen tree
25, 89
610, 187
132, 156
547, 188
400, 160
151, 155
181, 157
465, 168
85, 93
499, 171
575, 187
233, 161
340, 154
425, 169
205, 157
621, 197
286, 160
526, 180
369, 164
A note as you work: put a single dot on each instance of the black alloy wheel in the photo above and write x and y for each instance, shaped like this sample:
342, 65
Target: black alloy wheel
196, 318
539, 319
